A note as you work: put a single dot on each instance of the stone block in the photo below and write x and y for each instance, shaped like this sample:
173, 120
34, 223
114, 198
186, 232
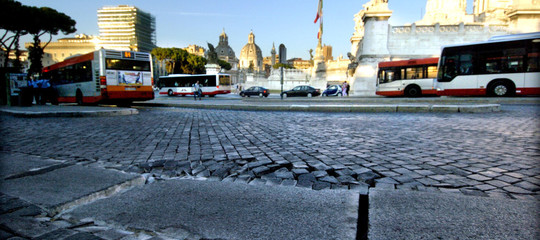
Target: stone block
413, 108
259, 171
318, 185
374, 108
445, 108
329, 179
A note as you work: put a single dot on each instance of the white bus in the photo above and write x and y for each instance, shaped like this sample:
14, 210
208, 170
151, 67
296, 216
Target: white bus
503, 66
182, 84
102, 76
410, 78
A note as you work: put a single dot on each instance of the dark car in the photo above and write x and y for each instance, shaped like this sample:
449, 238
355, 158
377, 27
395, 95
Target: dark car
255, 91
333, 90
302, 91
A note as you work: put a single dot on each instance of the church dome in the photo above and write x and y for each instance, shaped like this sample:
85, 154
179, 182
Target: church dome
251, 54
223, 50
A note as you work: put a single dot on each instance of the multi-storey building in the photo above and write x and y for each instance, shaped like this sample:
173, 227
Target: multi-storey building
67, 47
195, 50
126, 28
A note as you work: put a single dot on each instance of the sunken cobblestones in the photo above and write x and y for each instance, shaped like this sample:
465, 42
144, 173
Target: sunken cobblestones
492, 154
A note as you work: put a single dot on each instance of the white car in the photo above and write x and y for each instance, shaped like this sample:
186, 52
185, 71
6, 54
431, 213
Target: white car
333, 90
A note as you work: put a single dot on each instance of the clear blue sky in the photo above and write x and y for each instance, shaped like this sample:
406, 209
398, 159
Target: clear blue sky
184, 22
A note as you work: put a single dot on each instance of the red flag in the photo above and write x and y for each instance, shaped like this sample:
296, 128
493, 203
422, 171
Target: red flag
319, 12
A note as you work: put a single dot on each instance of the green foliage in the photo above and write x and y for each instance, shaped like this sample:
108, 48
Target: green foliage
45, 21
34, 56
286, 66
17, 20
13, 25
179, 61
224, 64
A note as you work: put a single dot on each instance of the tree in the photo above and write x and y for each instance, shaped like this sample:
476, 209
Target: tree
224, 64
46, 21
17, 20
284, 65
178, 60
13, 26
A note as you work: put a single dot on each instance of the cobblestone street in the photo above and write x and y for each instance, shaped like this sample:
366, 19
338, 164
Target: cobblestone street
488, 154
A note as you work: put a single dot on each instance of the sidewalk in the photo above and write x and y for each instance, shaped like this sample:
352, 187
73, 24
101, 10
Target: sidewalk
327, 104
51, 199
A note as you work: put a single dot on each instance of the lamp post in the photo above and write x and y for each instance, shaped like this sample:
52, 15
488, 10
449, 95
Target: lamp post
282, 60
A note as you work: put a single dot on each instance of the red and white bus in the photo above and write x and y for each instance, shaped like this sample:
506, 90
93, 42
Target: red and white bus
103, 76
410, 78
503, 66
182, 84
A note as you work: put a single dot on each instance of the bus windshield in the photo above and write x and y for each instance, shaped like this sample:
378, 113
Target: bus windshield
224, 80
127, 65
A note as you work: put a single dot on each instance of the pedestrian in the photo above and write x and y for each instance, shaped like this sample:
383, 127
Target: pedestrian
348, 88
344, 90
197, 91
36, 89
46, 91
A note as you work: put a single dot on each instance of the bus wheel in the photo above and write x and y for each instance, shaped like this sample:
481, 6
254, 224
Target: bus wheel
79, 97
170, 93
413, 91
54, 98
500, 89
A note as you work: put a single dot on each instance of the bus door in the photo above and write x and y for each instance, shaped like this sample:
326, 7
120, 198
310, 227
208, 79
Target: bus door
458, 74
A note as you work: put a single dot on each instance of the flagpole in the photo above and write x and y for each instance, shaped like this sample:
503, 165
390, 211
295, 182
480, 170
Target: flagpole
321, 31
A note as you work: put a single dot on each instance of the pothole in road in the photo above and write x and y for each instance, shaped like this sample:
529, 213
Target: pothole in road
262, 171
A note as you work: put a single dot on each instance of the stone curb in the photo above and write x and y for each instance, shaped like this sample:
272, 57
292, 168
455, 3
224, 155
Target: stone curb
98, 113
416, 108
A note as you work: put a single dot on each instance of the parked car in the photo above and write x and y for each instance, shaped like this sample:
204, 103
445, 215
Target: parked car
333, 90
255, 91
302, 91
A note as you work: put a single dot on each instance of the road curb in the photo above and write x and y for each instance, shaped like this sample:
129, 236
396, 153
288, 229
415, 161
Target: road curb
375, 108
70, 113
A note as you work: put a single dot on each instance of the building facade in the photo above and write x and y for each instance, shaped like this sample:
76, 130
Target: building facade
195, 50
251, 55
126, 28
67, 47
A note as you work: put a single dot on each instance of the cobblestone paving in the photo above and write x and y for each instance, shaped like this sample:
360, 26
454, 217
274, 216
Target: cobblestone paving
492, 154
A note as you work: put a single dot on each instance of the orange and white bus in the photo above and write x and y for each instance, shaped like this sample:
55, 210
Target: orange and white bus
103, 76
182, 84
503, 66
410, 78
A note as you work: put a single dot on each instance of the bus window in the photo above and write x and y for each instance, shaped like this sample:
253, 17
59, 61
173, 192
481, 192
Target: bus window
224, 80
533, 60
414, 73
533, 57
432, 72
381, 78
391, 76
456, 64
127, 65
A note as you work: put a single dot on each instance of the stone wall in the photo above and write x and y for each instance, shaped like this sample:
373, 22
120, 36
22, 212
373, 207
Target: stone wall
417, 41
